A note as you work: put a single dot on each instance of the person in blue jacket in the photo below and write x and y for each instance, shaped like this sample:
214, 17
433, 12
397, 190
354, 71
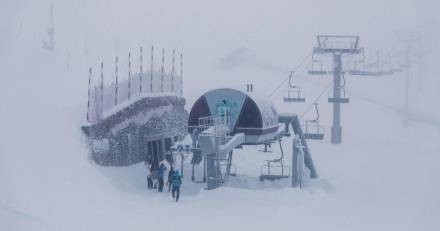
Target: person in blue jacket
176, 182
160, 174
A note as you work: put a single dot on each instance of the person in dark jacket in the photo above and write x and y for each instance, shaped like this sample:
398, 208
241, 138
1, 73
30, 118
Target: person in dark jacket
160, 174
176, 182
170, 176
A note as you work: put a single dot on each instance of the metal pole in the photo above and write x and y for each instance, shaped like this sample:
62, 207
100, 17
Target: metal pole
140, 74
88, 95
163, 63
407, 83
129, 74
181, 74
172, 73
151, 70
102, 87
116, 85
336, 127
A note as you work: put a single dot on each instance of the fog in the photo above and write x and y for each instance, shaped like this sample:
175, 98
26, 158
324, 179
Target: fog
43, 93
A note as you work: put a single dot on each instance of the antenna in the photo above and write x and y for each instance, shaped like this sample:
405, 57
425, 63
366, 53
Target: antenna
181, 74
172, 73
140, 74
50, 43
88, 94
102, 87
116, 76
129, 74
151, 70
163, 62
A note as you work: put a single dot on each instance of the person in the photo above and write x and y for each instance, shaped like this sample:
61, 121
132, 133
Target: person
150, 180
160, 173
170, 175
154, 174
176, 182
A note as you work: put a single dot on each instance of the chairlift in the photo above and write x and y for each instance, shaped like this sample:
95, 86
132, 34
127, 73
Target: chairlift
366, 70
275, 169
343, 98
294, 94
315, 71
313, 130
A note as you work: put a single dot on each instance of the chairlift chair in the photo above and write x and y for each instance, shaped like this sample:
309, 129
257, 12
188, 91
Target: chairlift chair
313, 130
343, 97
269, 170
294, 94
367, 69
315, 71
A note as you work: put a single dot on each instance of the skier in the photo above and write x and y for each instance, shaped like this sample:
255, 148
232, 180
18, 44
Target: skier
170, 175
154, 171
150, 180
160, 173
176, 182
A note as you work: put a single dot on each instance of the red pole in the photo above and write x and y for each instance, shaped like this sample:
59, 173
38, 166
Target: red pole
140, 75
88, 95
102, 87
163, 63
129, 74
116, 86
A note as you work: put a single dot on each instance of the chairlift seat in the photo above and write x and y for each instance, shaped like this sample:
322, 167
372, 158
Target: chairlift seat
314, 136
313, 131
315, 72
269, 175
272, 177
365, 73
294, 99
340, 100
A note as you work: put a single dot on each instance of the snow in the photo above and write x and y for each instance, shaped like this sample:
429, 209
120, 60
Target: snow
383, 176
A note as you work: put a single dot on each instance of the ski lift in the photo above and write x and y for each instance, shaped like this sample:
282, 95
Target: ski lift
294, 94
366, 70
313, 130
343, 98
315, 71
275, 169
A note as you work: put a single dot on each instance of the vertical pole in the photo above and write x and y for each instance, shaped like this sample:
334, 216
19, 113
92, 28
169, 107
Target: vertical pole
181, 74
88, 95
407, 82
163, 63
172, 73
295, 154
102, 87
151, 70
129, 74
140, 74
116, 84
336, 127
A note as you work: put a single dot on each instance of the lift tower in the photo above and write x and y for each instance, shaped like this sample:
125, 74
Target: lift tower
337, 47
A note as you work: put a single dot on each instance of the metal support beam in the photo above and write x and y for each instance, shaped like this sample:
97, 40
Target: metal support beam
336, 136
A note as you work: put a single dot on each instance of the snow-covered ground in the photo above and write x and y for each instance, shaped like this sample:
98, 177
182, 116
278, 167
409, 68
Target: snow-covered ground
382, 177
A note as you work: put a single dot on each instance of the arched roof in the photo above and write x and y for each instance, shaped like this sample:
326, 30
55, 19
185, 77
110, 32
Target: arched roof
247, 113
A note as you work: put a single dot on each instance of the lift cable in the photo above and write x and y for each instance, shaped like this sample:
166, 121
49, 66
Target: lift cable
317, 98
291, 73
